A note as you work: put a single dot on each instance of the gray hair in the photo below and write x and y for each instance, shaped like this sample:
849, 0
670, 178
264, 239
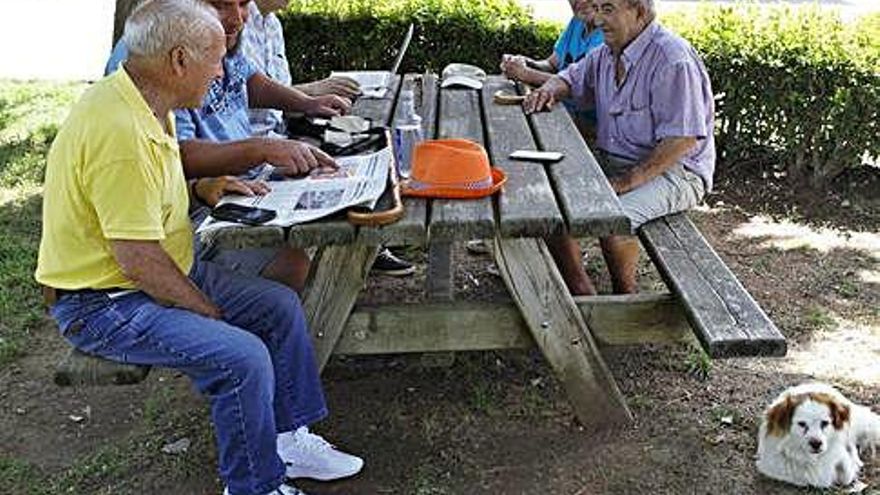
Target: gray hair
157, 26
648, 5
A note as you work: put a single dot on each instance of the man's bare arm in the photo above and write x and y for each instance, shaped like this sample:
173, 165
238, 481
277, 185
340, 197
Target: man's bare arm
203, 158
266, 93
151, 269
666, 154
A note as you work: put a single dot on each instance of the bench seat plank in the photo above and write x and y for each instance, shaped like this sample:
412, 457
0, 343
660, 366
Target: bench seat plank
79, 368
532, 211
727, 320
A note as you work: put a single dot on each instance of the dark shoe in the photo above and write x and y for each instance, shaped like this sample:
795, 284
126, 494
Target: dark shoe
388, 264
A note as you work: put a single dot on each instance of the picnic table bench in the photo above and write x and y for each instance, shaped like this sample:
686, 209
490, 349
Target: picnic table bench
572, 197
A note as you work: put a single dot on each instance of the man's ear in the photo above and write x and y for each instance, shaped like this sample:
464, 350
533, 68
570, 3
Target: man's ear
179, 60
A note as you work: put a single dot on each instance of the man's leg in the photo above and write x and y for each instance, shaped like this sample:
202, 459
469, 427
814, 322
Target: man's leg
675, 190
229, 365
621, 254
272, 312
566, 253
289, 266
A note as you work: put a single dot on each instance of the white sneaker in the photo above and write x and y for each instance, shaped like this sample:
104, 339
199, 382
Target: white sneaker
307, 455
284, 489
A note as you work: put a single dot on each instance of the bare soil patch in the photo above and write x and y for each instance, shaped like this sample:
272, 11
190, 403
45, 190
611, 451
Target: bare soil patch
493, 423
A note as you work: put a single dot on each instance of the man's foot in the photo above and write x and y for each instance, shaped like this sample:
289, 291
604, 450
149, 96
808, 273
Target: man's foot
307, 455
284, 489
388, 264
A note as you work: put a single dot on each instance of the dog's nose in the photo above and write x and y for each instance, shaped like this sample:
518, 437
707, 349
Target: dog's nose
815, 444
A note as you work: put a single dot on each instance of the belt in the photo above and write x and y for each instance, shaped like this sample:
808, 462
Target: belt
51, 295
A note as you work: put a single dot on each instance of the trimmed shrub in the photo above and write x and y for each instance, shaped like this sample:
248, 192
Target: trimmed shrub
796, 89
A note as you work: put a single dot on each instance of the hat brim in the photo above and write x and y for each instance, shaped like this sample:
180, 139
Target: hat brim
498, 180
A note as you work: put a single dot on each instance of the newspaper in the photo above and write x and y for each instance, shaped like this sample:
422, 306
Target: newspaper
359, 181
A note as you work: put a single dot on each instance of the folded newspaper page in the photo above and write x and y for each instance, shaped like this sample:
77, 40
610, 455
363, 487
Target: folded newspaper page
359, 181
373, 83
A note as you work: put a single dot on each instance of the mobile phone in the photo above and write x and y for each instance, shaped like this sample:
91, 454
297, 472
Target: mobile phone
248, 215
537, 156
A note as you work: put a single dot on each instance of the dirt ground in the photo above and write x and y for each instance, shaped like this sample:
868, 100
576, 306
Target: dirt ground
499, 423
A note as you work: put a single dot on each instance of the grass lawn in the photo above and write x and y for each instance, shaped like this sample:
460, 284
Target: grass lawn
30, 114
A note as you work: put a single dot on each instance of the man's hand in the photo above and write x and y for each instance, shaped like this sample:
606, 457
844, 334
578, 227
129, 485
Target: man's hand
328, 106
342, 86
294, 157
553, 90
539, 100
210, 190
513, 66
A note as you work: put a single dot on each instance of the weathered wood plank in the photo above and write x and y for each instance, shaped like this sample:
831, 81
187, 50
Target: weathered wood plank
79, 368
532, 211
338, 275
589, 204
244, 237
460, 117
726, 319
334, 230
469, 326
559, 329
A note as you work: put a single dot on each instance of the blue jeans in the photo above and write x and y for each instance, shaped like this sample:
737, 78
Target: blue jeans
256, 366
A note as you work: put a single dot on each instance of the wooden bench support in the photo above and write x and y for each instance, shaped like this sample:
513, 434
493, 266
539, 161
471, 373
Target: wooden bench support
79, 368
725, 318
559, 330
340, 272
482, 326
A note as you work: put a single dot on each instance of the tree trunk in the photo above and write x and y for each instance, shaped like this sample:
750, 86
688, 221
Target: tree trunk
123, 8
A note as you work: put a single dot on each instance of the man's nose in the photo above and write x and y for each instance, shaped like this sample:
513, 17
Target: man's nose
815, 444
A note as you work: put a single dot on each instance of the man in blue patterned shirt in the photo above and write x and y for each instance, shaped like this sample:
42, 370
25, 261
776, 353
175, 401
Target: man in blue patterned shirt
262, 42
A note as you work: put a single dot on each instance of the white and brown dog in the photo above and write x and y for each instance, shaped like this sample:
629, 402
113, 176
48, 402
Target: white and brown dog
811, 435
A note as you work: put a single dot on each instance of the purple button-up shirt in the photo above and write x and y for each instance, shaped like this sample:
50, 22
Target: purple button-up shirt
666, 93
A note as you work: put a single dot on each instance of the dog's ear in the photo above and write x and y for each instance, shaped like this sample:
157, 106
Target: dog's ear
839, 414
779, 417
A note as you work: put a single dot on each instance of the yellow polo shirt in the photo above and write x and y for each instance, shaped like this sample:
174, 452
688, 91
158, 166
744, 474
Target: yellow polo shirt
112, 174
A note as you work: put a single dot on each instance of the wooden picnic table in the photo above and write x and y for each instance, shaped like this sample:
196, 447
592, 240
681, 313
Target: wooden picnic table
571, 196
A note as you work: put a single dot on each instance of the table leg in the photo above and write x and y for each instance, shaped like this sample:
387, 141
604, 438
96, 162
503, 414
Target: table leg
339, 273
559, 330
439, 284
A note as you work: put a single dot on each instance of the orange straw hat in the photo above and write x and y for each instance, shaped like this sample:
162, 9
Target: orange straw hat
452, 168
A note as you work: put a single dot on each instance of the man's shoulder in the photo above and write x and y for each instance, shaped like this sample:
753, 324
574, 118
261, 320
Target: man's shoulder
672, 47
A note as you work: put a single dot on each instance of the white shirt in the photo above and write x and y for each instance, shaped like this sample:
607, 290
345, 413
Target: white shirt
262, 42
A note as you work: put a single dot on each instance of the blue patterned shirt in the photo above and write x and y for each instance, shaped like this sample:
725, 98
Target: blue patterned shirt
262, 42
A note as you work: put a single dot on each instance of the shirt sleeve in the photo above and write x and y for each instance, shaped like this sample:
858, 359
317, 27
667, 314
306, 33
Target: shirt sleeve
127, 199
678, 102
580, 77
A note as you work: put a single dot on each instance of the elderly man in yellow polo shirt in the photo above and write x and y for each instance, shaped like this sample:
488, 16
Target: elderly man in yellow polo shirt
116, 257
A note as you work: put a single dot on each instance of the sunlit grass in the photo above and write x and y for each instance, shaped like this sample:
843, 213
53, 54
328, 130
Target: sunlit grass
30, 114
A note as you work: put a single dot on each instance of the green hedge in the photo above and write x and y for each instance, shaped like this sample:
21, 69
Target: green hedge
798, 90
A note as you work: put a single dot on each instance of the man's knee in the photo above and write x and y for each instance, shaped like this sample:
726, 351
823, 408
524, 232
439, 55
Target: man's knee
289, 266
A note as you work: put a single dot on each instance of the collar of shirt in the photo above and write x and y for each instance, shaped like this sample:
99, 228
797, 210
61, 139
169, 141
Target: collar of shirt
132, 95
636, 48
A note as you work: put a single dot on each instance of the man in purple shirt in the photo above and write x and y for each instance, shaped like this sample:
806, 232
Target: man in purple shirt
655, 118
